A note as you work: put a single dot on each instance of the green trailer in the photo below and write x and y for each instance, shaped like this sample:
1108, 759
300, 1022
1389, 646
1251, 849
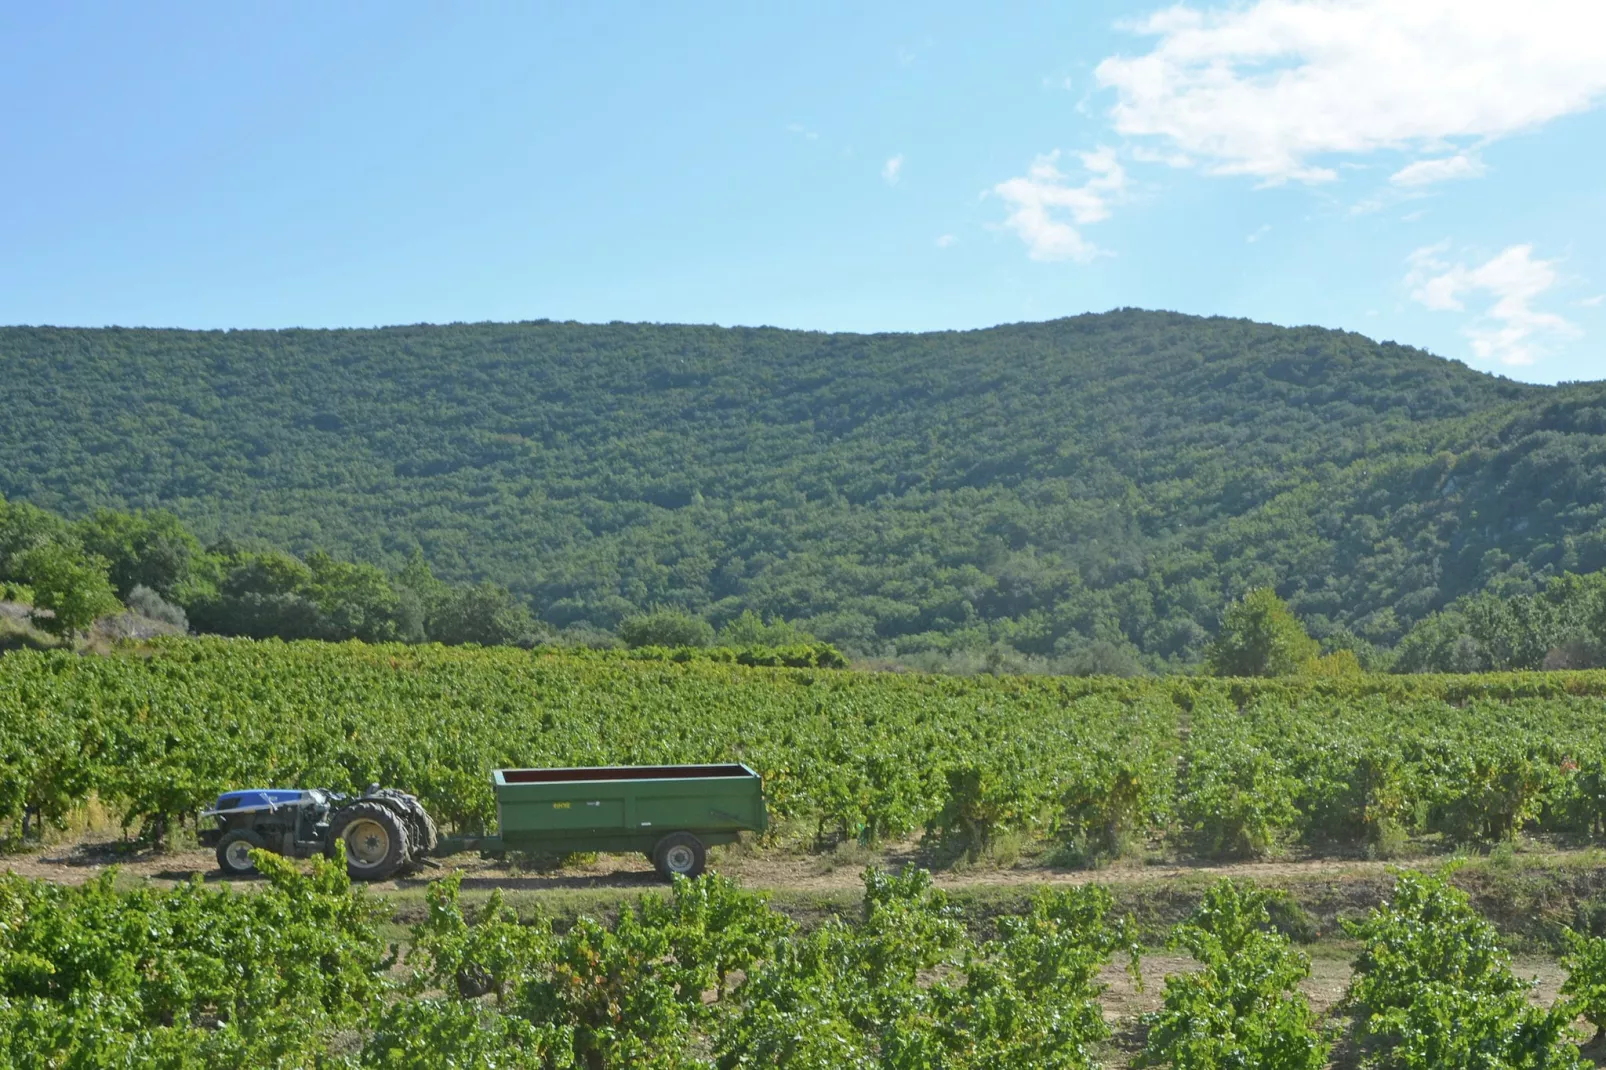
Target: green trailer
670, 813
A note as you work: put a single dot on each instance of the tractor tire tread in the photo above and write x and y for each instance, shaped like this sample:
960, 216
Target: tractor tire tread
395, 826
229, 839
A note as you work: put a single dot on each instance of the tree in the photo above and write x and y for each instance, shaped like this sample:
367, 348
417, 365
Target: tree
666, 627
1260, 636
70, 588
418, 594
357, 600
151, 550
486, 614
22, 527
750, 629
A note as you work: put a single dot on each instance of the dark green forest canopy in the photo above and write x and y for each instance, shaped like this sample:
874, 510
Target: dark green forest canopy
1110, 477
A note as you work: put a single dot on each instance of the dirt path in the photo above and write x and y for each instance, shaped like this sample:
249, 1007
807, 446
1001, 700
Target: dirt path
778, 871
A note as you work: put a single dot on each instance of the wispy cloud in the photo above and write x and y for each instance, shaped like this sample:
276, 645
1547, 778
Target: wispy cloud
1508, 329
1593, 302
802, 131
945, 240
892, 170
1040, 200
1258, 233
1427, 172
1279, 89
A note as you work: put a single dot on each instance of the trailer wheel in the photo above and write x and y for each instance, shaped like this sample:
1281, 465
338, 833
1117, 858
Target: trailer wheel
234, 852
680, 852
375, 838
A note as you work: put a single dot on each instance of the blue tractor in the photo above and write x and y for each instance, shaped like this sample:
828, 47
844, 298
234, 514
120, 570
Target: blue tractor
385, 831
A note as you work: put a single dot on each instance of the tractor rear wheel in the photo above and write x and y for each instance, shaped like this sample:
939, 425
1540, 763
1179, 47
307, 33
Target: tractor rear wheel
680, 852
234, 852
375, 839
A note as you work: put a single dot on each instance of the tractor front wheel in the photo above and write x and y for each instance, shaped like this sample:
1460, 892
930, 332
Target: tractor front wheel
234, 852
375, 839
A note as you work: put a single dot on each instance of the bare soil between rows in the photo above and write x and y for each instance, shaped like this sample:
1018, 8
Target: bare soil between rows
77, 862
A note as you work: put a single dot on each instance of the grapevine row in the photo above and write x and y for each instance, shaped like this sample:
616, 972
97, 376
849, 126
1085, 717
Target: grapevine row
1216, 767
296, 973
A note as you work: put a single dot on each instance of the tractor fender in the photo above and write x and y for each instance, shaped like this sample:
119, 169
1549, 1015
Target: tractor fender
422, 835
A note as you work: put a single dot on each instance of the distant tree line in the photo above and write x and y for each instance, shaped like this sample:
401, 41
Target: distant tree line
72, 574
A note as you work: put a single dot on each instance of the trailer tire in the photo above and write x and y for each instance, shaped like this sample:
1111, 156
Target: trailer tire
233, 856
680, 852
375, 838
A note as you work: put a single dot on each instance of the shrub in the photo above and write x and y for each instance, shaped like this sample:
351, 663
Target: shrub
148, 603
1432, 988
1585, 963
1243, 1007
1236, 798
986, 798
666, 627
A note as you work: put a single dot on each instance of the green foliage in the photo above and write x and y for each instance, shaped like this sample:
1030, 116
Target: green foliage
1236, 796
22, 527
1260, 636
486, 955
1432, 988
1561, 627
70, 588
1490, 793
750, 630
485, 614
153, 550
1103, 658
1042, 487
1094, 767
92, 976
449, 1034
987, 798
666, 628
1242, 1008
1585, 987
864, 994
1113, 794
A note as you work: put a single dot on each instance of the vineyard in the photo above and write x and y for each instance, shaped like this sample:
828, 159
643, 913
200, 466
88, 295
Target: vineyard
295, 973
1207, 768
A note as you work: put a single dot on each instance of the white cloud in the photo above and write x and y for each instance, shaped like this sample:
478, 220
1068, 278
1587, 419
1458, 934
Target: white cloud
1144, 154
945, 240
1427, 172
802, 131
1509, 330
1039, 200
892, 170
1259, 232
1593, 302
1276, 88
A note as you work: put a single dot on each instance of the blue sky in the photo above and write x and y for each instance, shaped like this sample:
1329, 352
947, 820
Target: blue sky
1432, 173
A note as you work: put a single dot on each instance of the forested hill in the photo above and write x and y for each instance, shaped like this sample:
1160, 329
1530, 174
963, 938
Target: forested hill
1105, 478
